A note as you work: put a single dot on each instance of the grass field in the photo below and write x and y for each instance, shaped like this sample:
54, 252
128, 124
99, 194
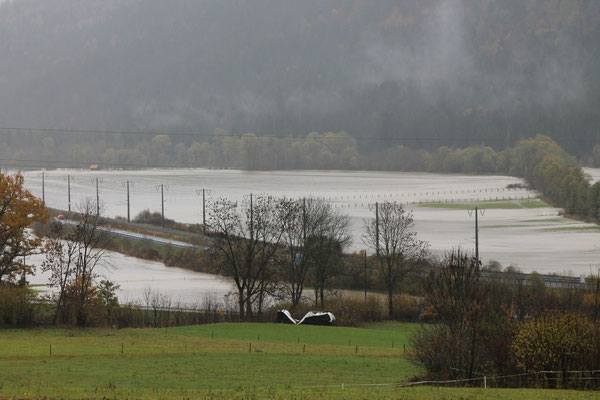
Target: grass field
572, 229
503, 205
222, 361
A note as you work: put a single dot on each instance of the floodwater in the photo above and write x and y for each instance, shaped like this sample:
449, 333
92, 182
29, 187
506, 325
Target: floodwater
594, 174
135, 276
529, 238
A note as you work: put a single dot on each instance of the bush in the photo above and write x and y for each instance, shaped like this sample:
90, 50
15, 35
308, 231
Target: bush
17, 306
408, 308
556, 342
473, 335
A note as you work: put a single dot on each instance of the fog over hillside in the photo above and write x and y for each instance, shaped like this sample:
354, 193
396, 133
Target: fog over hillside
433, 72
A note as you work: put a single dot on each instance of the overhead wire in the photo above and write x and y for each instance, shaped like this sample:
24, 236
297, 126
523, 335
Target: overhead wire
271, 136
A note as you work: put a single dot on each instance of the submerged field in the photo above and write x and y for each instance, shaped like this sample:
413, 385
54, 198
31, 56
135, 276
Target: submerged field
440, 202
222, 361
490, 205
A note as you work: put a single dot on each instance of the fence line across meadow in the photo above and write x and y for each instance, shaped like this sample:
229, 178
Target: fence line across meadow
419, 197
593, 375
443, 201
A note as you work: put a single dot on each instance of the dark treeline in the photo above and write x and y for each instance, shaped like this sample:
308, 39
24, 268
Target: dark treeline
428, 73
539, 160
314, 151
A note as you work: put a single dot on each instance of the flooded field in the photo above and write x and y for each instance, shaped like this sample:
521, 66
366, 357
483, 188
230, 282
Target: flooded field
513, 232
594, 174
137, 276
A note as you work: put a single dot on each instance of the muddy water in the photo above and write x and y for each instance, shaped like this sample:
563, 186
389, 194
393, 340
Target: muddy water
532, 239
594, 173
135, 276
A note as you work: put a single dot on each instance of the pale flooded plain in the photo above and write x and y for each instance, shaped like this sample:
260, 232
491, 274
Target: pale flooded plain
529, 238
136, 276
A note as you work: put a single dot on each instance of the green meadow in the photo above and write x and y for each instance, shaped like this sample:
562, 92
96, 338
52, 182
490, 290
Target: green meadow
223, 361
491, 204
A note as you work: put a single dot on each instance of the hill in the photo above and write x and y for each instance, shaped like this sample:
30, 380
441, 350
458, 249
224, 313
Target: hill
426, 73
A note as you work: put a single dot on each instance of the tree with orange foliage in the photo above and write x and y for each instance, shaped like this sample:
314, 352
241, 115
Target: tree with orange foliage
18, 210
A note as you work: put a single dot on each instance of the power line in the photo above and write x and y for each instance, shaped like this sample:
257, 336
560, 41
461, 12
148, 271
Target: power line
78, 164
247, 135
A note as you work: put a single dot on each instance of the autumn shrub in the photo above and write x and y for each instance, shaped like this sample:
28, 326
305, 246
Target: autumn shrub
440, 352
17, 306
407, 307
557, 342
353, 310
480, 350
471, 335
591, 305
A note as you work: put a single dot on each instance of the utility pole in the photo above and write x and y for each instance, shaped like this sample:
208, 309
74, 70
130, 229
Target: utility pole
162, 205
128, 205
377, 227
204, 210
97, 198
69, 191
203, 192
365, 275
476, 238
251, 219
477, 211
596, 292
43, 188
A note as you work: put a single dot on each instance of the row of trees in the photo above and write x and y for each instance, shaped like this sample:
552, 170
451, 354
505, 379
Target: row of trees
329, 150
277, 246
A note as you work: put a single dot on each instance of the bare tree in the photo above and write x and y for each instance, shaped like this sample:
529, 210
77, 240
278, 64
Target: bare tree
295, 266
398, 251
89, 237
247, 241
61, 257
327, 235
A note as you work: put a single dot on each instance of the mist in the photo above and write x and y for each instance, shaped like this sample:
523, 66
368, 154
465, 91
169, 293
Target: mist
463, 72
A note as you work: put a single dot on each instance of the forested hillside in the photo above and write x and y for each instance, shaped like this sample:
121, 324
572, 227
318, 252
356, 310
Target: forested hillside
426, 73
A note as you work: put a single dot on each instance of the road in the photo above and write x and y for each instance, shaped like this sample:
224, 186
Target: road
140, 236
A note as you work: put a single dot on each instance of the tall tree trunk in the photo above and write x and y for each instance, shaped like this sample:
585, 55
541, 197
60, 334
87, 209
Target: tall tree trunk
80, 313
261, 299
248, 306
322, 297
391, 301
241, 303
81, 317
295, 297
57, 310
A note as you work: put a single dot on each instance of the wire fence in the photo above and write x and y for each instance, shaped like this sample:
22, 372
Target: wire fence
585, 379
